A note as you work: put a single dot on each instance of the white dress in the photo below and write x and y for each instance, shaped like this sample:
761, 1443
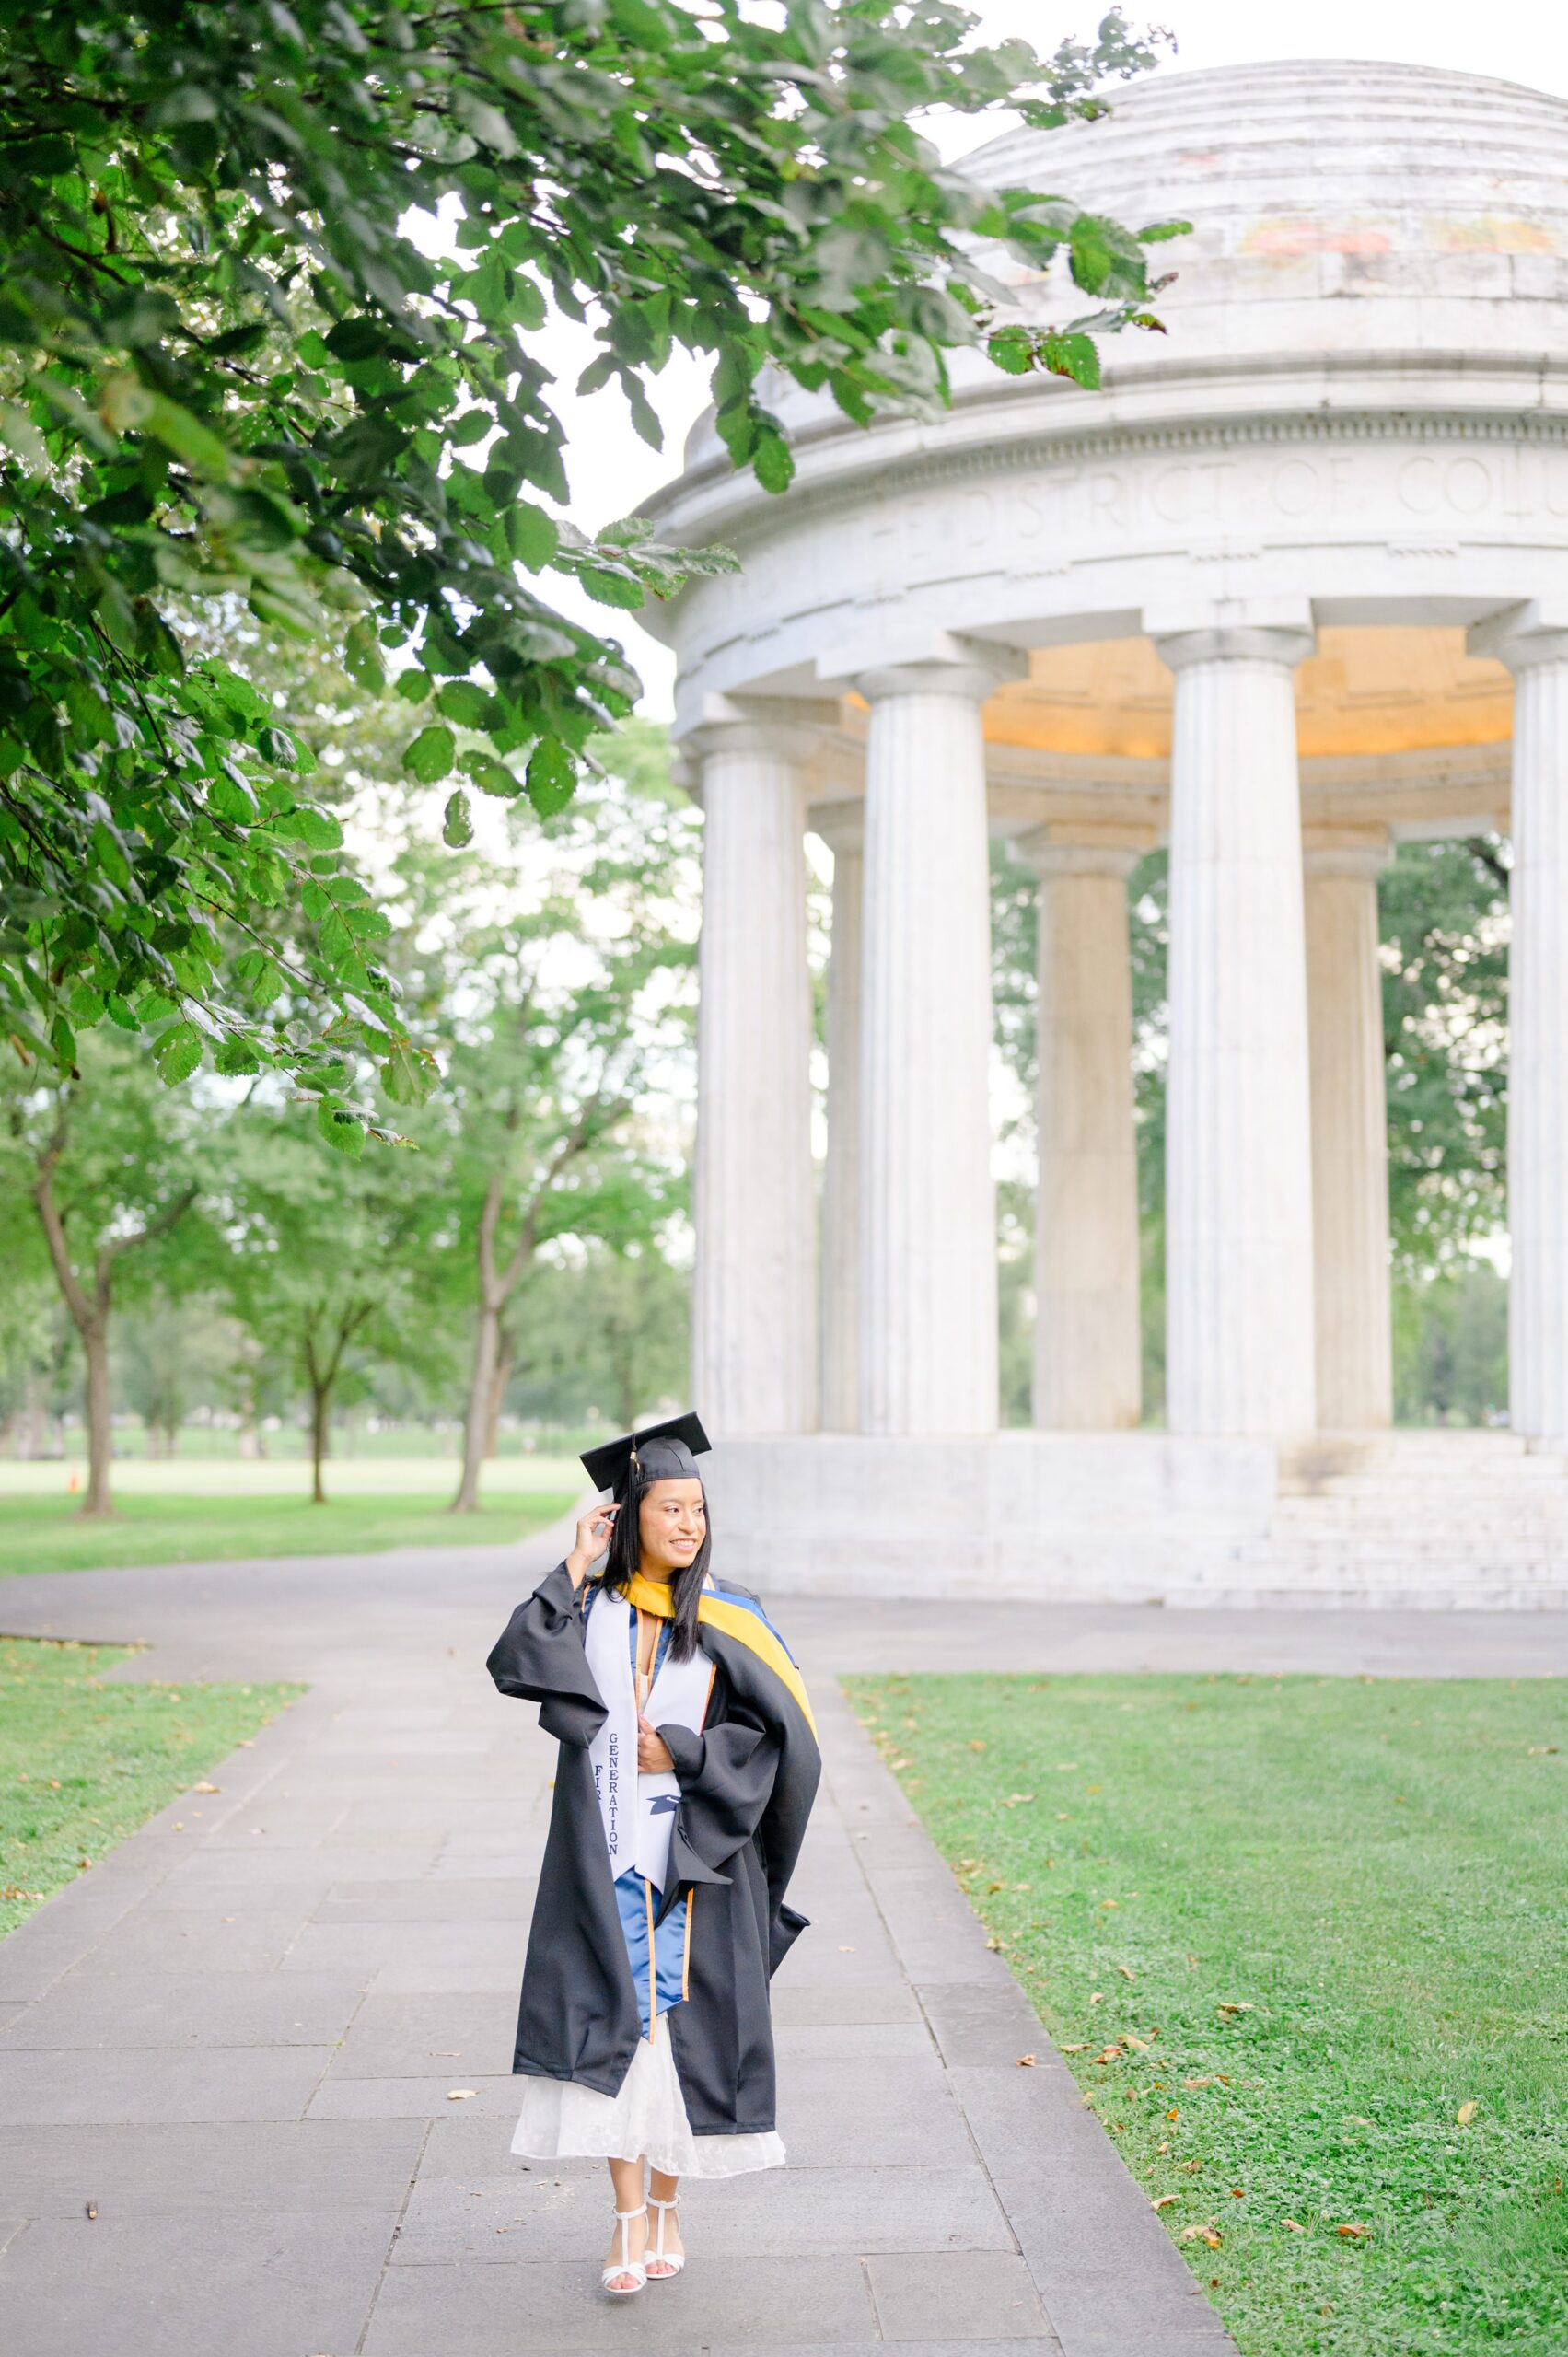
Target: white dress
647, 2120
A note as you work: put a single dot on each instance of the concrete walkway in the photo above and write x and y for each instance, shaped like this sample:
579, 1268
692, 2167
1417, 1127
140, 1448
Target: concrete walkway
267, 2039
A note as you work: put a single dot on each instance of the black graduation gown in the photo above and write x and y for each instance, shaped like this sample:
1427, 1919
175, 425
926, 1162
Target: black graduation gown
747, 1784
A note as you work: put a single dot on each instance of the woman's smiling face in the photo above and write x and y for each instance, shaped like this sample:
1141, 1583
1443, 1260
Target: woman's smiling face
671, 1525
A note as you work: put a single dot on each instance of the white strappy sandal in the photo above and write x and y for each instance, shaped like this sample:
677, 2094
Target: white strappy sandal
628, 2265
672, 2259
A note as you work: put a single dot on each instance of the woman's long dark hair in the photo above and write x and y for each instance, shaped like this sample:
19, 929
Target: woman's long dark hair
624, 1558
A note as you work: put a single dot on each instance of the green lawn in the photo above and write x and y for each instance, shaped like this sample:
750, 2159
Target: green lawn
1305, 1943
39, 1534
83, 1763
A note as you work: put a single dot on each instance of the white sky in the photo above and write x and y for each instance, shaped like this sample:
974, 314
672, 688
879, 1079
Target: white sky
1520, 40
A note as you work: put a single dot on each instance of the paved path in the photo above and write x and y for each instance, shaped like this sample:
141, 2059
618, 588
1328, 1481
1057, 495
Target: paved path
239, 2037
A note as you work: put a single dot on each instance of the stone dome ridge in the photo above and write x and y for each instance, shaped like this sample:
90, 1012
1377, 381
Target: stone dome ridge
1243, 111
1307, 182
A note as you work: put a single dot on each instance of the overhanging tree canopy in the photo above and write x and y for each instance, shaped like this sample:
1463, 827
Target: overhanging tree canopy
233, 363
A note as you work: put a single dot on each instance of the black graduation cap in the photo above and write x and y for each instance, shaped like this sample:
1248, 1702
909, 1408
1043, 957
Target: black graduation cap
660, 1453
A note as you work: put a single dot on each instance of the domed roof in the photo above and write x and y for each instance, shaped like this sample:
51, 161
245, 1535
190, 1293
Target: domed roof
1334, 206
1391, 235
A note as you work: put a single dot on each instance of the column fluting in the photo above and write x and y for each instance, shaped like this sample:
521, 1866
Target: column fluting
928, 1344
1536, 654
1087, 1347
841, 827
1350, 1137
754, 1295
1239, 1343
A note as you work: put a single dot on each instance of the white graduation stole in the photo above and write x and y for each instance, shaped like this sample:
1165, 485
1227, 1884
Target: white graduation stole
638, 1810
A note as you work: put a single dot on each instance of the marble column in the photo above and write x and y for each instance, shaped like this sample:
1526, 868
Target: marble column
1350, 1136
1533, 642
1087, 1349
1239, 1341
927, 1206
754, 1307
842, 826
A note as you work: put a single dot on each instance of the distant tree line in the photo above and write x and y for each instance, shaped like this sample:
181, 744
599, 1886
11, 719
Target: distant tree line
164, 1248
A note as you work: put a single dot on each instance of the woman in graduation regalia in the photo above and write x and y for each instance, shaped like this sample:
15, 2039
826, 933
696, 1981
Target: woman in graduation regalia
688, 1769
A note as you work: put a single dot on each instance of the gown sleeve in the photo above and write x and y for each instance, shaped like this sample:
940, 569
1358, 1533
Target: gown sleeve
540, 1657
752, 1778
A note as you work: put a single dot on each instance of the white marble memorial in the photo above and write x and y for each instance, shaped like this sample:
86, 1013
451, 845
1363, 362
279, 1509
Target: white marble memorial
1290, 589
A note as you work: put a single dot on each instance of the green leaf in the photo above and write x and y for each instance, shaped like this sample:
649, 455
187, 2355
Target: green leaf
227, 798
179, 1052
342, 1129
531, 537
1072, 355
109, 852
608, 588
772, 462
493, 777
317, 829
409, 1074
276, 746
431, 754
463, 701
412, 684
1105, 259
552, 780
1013, 348
1157, 232
457, 823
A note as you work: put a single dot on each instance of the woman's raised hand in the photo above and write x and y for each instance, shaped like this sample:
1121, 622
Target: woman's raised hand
593, 1536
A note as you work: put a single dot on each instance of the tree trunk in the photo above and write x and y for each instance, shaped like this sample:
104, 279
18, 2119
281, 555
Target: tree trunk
100, 1498
505, 1360
321, 1403
476, 1419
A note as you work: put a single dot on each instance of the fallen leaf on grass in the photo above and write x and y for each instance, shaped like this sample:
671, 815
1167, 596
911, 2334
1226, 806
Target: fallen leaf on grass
1351, 2233
1201, 2235
1126, 1971
1164, 2201
1173, 2113
976, 1743
1205, 2081
1017, 1800
1111, 2054
1097, 1996
1082, 2048
1464, 2114
1541, 1751
1291, 2224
